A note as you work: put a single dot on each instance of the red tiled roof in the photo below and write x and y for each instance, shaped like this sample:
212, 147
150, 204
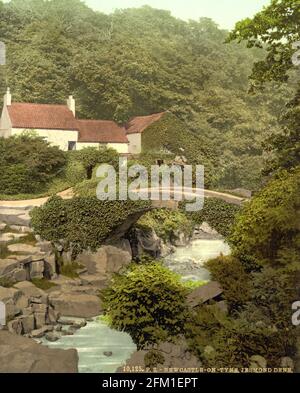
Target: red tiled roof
43, 116
102, 131
138, 124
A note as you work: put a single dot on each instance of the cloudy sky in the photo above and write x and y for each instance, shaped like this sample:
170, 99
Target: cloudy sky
224, 12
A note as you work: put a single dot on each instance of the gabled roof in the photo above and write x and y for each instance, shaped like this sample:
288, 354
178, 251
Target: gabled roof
101, 131
41, 116
138, 124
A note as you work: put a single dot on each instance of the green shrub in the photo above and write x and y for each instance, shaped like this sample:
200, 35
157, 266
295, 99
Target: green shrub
153, 359
75, 172
166, 223
27, 164
82, 222
90, 157
267, 230
148, 302
230, 273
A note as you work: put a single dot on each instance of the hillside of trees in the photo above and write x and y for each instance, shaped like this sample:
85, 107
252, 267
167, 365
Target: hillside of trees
142, 61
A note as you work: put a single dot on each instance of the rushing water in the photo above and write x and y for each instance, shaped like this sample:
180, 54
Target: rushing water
188, 261
95, 341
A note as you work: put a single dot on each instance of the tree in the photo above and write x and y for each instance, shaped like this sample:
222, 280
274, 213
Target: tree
90, 157
28, 163
267, 230
275, 29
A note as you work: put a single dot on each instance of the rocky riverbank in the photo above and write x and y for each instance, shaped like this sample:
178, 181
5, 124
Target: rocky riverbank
34, 313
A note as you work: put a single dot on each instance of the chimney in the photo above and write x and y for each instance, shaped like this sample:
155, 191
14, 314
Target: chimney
71, 104
7, 98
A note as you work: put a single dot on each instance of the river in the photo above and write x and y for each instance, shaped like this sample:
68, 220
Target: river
102, 349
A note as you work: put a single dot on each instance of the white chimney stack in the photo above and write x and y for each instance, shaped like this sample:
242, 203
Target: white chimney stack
71, 105
7, 98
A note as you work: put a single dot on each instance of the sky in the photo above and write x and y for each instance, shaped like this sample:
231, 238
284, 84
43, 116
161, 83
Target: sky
224, 12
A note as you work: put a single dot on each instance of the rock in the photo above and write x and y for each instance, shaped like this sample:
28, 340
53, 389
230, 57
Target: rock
23, 249
72, 330
14, 217
257, 361
38, 333
23, 355
10, 296
15, 326
31, 291
66, 321
49, 266
95, 280
107, 260
75, 305
7, 266
52, 316
52, 337
40, 319
22, 302
108, 354
20, 275
2, 226
207, 292
37, 269
28, 323
180, 239
8, 237
21, 229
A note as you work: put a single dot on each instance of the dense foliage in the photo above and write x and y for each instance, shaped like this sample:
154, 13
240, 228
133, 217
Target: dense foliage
148, 302
267, 231
90, 157
219, 214
142, 61
168, 224
83, 223
276, 28
27, 164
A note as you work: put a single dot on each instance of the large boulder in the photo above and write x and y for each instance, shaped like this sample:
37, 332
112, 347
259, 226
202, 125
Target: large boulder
7, 266
106, 260
23, 355
75, 304
31, 291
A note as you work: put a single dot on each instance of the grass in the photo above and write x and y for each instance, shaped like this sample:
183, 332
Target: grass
43, 283
28, 239
70, 270
191, 285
